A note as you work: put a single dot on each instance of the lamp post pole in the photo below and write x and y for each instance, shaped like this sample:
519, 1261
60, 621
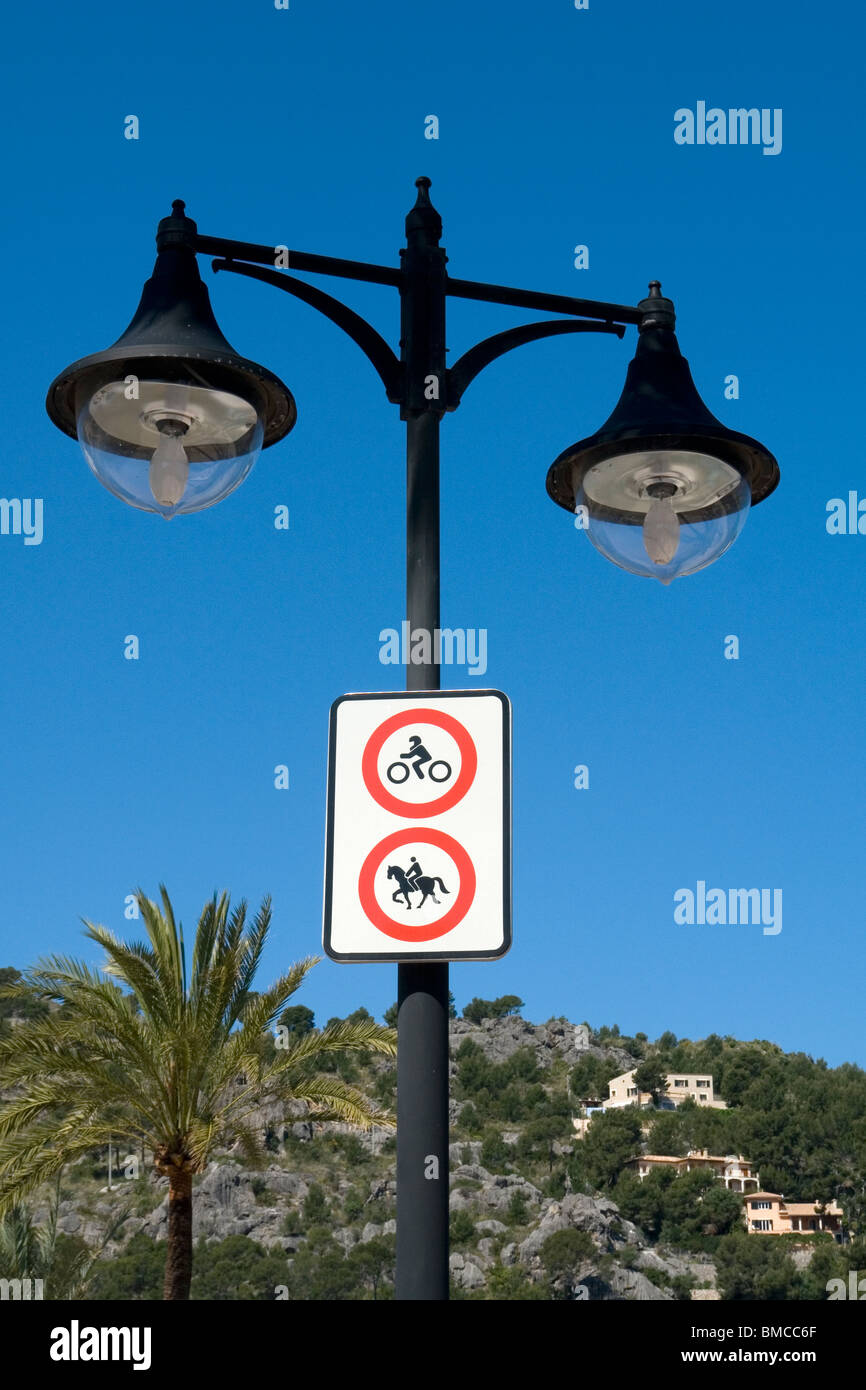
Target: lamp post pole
422, 989
660, 443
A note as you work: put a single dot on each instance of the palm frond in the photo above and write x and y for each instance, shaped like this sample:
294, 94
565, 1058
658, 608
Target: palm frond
138, 1052
363, 1036
330, 1098
136, 965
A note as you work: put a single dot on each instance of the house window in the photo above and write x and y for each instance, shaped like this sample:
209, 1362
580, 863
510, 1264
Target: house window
704, 1083
701, 1097
762, 1225
762, 1206
681, 1083
632, 1091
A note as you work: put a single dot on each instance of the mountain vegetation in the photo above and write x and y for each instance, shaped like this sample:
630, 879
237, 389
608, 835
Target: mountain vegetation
536, 1212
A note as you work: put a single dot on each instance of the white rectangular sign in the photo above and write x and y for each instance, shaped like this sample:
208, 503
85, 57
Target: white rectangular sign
418, 855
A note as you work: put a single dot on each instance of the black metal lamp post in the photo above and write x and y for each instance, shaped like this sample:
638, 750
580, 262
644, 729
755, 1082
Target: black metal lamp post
171, 419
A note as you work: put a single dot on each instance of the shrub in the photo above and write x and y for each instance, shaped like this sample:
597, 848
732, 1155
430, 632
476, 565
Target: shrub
461, 1227
494, 1151
315, 1210
512, 1283
518, 1212
478, 1009
353, 1148
137, 1273
470, 1119
562, 1254
353, 1205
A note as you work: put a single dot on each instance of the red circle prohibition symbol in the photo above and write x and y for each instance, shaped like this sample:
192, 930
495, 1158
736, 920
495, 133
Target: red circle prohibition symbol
455, 914
415, 810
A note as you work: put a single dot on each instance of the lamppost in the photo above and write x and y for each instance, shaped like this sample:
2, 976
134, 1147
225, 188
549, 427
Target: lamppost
171, 419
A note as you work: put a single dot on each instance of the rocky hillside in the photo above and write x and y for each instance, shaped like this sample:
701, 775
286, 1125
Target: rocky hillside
535, 1212
325, 1191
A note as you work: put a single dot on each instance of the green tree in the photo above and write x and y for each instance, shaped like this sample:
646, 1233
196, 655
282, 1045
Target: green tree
721, 1210
518, 1212
643, 1201
612, 1139
562, 1255
827, 1262
754, 1267
479, 1009
590, 1077
739, 1073
320, 1273
494, 1151
506, 1005
668, 1134
137, 1273
315, 1210
697, 1207
298, 1019
16, 1000
461, 1227
178, 1065
237, 1269
353, 1204
539, 1137
373, 1263
469, 1119
651, 1077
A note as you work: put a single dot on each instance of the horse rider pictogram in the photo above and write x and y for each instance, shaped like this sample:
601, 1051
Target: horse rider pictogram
413, 880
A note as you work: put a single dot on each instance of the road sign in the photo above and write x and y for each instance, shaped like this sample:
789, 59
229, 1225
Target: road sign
418, 856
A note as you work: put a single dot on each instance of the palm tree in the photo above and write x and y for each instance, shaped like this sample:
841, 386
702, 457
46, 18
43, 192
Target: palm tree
177, 1067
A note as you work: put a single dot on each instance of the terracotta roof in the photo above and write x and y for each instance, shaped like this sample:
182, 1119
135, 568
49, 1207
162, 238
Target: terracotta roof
696, 1157
811, 1209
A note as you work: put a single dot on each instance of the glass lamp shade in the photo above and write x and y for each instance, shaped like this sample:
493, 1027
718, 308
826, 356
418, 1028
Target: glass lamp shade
168, 446
663, 488
171, 418
662, 513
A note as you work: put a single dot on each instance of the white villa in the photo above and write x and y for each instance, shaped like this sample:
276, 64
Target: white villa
679, 1086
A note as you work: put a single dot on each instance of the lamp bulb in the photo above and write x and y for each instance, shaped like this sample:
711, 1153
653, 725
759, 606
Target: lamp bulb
169, 470
661, 531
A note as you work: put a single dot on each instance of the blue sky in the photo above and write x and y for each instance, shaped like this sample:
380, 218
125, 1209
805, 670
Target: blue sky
306, 127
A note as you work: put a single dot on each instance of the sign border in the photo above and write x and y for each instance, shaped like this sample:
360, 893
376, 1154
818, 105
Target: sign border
396, 956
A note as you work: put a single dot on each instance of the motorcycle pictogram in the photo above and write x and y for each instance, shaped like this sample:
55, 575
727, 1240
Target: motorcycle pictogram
418, 756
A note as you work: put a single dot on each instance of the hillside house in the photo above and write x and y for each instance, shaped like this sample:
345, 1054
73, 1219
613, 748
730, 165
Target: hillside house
679, 1086
768, 1213
736, 1172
